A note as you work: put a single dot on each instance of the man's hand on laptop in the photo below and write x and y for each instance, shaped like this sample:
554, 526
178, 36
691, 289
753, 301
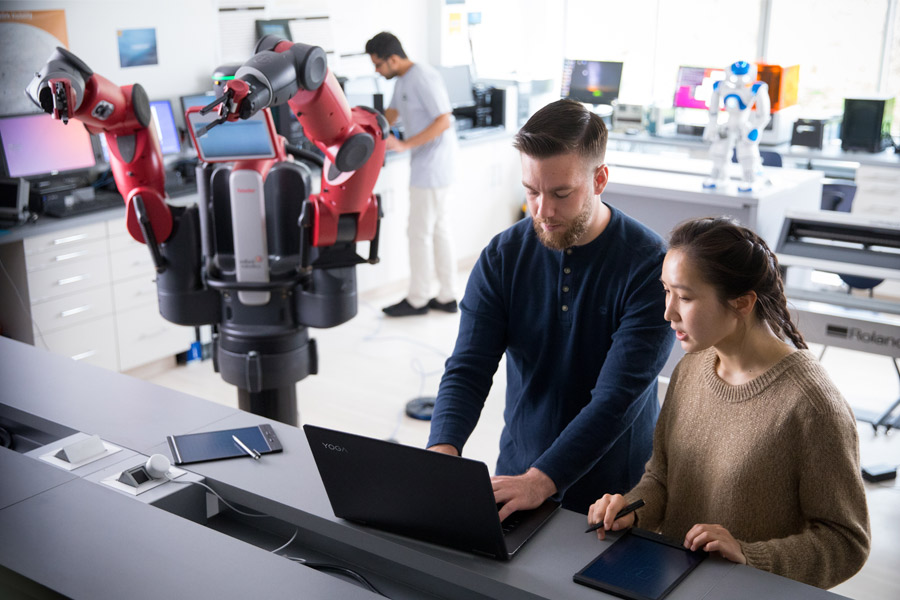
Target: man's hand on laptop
522, 492
445, 449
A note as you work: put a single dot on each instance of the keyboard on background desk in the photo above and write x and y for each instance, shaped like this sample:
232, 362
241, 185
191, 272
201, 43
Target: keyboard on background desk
74, 204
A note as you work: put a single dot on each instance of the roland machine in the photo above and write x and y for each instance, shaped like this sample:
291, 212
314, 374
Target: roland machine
855, 247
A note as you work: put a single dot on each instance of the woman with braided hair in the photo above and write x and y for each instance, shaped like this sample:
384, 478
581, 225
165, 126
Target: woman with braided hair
755, 454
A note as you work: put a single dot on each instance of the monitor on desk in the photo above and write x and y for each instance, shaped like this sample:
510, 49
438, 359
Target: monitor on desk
164, 123
37, 145
591, 81
279, 27
695, 86
459, 85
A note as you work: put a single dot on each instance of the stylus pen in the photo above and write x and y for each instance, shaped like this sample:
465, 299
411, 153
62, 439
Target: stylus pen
628, 509
249, 451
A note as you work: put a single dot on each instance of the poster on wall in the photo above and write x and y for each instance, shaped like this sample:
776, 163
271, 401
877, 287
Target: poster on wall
27, 39
137, 47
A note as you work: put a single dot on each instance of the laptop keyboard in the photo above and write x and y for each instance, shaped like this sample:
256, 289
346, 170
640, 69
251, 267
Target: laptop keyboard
512, 521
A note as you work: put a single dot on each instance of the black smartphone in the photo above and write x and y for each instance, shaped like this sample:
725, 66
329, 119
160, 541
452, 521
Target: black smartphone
216, 445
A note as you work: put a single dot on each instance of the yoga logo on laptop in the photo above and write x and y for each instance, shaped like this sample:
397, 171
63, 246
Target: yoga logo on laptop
335, 447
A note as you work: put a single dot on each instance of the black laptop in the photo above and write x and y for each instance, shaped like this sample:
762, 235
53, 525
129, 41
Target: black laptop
446, 500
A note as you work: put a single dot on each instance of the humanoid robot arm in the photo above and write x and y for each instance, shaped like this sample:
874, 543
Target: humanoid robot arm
66, 88
711, 132
762, 108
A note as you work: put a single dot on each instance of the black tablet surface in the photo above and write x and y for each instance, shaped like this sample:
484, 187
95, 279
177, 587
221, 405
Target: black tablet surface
640, 565
216, 445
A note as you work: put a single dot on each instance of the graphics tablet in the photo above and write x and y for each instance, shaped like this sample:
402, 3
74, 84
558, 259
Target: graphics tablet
216, 445
640, 565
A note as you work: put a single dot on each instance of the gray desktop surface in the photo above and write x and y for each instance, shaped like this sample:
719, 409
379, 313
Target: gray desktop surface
85, 541
138, 415
23, 478
120, 409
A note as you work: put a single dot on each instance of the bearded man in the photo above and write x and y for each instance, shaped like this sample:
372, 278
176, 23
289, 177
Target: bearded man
572, 296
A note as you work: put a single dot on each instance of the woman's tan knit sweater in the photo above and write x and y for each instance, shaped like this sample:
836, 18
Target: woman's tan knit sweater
775, 461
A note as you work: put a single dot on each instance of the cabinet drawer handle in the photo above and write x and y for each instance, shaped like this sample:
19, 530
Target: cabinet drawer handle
74, 279
69, 256
75, 311
84, 355
70, 239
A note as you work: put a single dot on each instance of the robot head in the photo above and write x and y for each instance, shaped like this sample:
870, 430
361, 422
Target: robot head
741, 73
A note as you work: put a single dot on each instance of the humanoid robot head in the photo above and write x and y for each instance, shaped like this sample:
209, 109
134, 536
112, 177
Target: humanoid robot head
741, 73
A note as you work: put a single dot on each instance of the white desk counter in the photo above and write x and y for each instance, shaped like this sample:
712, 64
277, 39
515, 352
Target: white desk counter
663, 191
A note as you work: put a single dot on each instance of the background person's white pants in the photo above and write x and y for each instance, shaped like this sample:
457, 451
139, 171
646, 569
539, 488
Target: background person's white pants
430, 246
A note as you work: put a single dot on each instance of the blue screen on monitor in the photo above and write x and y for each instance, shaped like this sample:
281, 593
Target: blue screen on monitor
244, 139
241, 138
164, 123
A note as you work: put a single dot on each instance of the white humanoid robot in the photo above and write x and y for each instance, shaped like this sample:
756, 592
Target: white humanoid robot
746, 101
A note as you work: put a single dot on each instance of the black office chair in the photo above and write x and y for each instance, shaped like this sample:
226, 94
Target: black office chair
770, 158
839, 197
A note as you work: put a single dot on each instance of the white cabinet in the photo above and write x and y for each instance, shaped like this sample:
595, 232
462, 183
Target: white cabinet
93, 298
877, 192
142, 334
71, 300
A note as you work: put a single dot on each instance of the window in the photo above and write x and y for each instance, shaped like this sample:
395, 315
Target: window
843, 48
837, 44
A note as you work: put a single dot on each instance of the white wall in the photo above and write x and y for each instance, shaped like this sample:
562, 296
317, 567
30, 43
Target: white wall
185, 35
188, 41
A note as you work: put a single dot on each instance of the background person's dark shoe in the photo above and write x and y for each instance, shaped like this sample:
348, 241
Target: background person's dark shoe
404, 309
448, 307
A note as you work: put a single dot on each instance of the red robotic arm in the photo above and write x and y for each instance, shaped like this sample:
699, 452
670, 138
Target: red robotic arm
353, 141
67, 88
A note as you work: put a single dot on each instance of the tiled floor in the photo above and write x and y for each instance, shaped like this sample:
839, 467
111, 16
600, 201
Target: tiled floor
371, 366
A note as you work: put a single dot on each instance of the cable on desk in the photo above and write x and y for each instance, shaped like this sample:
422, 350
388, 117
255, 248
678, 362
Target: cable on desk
287, 543
336, 569
216, 494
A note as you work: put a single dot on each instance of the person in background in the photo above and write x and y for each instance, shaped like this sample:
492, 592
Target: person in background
571, 296
421, 103
756, 454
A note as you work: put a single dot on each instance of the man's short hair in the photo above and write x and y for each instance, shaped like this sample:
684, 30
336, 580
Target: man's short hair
384, 45
563, 127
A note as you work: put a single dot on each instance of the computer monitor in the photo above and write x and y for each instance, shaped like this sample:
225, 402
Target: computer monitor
279, 27
459, 85
242, 138
37, 144
695, 85
591, 81
164, 123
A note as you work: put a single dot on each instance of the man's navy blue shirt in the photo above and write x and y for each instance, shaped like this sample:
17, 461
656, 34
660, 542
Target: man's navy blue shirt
584, 337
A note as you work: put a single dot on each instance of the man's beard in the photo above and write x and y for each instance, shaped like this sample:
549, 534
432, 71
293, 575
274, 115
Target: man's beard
571, 234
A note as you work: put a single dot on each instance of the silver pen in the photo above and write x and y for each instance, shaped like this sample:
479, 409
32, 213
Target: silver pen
249, 451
